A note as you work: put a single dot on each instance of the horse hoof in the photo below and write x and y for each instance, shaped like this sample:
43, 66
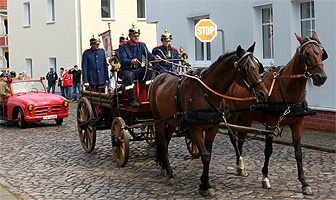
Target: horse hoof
266, 183
163, 172
205, 193
171, 181
307, 190
242, 172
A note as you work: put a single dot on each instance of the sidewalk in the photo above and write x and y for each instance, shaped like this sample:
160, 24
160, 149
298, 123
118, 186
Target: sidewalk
312, 139
5, 194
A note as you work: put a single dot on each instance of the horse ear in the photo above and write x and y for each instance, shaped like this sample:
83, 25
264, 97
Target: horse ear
299, 38
314, 35
251, 49
239, 51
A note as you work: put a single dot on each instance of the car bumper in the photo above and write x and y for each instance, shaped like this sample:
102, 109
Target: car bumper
45, 117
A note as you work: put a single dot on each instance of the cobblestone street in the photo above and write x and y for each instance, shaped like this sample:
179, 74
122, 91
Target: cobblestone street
46, 161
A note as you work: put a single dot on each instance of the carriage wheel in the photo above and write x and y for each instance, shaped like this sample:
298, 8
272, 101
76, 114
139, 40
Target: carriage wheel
120, 141
192, 147
150, 132
86, 130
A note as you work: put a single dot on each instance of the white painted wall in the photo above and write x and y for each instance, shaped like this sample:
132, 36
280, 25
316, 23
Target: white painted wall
241, 23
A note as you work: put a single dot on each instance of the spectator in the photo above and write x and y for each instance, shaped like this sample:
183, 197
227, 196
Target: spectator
60, 81
51, 78
4, 89
20, 77
13, 75
67, 82
76, 81
25, 76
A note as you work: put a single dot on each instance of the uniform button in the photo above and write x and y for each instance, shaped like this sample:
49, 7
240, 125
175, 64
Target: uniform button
98, 70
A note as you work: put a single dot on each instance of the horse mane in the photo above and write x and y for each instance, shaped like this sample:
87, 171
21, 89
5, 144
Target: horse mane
221, 58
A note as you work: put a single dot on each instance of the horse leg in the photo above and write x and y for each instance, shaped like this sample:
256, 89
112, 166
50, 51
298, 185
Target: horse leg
205, 147
268, 152
162, 141
239, 159
296, 136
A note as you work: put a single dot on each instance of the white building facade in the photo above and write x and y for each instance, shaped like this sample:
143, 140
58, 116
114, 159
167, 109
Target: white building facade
270, 23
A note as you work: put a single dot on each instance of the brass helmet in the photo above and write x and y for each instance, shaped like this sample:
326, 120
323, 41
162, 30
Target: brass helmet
166, 36
94, 40
123, 38
135, 31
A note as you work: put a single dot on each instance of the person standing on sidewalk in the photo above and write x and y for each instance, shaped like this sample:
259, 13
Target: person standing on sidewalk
76, 81
51, 78
60, 81
67, 82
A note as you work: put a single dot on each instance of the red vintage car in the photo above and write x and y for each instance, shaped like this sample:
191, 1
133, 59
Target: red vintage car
30, 101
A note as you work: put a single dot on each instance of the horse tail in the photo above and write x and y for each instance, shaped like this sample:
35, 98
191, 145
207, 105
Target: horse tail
159, 151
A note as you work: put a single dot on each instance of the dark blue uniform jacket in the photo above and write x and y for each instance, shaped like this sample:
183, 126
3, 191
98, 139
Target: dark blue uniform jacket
127, 53
163, 66
95, 67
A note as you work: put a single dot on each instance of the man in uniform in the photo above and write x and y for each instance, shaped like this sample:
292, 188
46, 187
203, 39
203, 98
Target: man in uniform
122, 39
13, 75
94, 66
4, 89
166, 51
130, 54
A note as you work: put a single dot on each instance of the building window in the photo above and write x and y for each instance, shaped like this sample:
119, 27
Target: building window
52, 63
29, 67
108, 9
141, 9
202, 50
50, 11
307, 19
267, 33
6, 26
26, 14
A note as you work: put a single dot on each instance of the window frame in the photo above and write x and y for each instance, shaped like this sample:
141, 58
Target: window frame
51, 11
52, 62
29, 68
112, 11
145, 5
26, 13
311, 19
271, 59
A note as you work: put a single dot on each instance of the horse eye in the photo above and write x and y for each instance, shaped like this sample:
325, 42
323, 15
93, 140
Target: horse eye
307, 53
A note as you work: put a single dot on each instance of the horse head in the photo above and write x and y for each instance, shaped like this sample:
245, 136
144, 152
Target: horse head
249, 69
312, 54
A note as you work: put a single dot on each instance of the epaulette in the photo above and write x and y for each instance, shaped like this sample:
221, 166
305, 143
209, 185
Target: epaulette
157, 46
141, 42
86, 50
123, 43
174, 49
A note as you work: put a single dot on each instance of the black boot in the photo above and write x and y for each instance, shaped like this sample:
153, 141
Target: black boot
134, 103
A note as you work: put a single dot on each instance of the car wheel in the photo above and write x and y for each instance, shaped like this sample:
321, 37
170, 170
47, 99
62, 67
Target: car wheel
20, 119
59, 121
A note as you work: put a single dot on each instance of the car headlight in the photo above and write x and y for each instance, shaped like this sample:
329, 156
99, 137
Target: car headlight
30, 107
65, 103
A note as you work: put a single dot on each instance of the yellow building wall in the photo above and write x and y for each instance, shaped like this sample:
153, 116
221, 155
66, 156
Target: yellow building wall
126, 14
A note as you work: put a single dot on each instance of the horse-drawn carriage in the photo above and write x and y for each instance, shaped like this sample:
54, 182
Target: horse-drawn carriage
174, 99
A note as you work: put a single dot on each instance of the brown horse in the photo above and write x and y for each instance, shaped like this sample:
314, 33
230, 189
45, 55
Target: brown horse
288, 92
184, 94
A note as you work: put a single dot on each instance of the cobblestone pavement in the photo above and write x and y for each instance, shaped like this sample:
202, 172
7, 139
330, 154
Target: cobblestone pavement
46, 161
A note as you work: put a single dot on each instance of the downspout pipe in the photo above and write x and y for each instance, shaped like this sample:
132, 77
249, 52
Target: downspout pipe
223, 41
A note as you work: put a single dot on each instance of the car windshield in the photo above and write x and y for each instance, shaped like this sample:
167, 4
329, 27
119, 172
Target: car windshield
27, 86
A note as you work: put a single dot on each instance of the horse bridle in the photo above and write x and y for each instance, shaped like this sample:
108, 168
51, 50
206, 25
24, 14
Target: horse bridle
313, 44
244, 72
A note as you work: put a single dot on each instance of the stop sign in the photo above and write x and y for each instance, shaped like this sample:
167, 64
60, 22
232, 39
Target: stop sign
205, 30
